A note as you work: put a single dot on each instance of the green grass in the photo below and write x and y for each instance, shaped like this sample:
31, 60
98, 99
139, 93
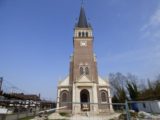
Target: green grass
123, 116
64, 114
57, 119
27, 118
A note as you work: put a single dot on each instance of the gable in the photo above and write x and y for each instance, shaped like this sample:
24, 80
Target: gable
84, 79
102, 82
64, 82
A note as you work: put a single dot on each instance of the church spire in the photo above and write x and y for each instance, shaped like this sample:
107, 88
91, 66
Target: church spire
82, 22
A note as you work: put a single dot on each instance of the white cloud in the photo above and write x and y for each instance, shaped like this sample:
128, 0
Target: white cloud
155, 19
151, 30
149, 54
145, 59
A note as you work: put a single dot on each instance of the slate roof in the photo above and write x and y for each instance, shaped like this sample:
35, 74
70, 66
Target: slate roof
82, 22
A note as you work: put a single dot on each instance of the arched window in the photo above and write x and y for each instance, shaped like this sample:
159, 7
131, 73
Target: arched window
81, 71
79, 34
82, 34
87, 71
104, 96
64, 97
86, 34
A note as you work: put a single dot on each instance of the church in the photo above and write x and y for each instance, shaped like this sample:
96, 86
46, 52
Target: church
83, 89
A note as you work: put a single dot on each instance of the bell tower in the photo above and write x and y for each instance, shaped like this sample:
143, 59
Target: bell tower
83, 62
83, 86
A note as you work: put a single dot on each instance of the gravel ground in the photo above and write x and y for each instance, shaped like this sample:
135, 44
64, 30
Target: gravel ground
84, 117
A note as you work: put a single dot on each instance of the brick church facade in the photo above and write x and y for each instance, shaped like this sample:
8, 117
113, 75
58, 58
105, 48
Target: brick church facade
83, 89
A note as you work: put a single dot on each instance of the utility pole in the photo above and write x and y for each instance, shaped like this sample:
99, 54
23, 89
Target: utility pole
1, 81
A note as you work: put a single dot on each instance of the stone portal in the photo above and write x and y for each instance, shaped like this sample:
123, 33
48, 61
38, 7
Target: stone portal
85, 100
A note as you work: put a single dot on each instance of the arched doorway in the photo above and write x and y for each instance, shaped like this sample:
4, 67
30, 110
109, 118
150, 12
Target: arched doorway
85, 100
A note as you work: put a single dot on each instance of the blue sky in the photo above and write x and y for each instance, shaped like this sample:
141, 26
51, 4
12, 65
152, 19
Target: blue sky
36, 39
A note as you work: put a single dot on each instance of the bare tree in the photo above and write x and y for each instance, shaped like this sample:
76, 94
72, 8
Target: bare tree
118, 81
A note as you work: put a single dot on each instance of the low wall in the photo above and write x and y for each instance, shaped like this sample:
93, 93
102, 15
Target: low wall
15, 116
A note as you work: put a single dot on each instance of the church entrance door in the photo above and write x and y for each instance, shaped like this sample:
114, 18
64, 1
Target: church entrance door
85, 100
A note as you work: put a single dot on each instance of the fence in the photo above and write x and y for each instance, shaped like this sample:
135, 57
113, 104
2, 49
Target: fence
17, 109
130, 110
15, 116
92, 111
18, 115
144, 110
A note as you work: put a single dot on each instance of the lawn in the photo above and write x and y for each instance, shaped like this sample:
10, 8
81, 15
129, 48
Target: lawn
27, 118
